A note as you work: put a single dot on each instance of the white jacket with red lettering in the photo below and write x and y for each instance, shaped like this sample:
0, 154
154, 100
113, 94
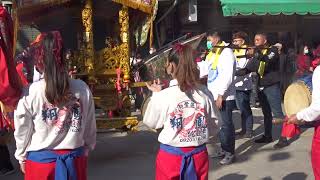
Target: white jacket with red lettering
41, 125
186, 120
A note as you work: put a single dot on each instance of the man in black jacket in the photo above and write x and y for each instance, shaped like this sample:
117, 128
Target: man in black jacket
265, 61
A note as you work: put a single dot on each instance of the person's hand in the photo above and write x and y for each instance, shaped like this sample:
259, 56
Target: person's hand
311, 69
294, 120
241, 72
219, 102
250, 52
23, 168
155, 87
258, 55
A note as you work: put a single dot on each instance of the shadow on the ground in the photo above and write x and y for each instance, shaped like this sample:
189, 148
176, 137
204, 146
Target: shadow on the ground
124, 146
248, 148
291, 176
297, 137
296, 175
124, 155
278, 156
267, 178
233, 176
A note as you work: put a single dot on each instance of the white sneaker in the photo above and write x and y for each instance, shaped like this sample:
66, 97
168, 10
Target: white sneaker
219, 154
228, 159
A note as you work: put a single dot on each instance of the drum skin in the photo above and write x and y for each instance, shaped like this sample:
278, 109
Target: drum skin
296, 98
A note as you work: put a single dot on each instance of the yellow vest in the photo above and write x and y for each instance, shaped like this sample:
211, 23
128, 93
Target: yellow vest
217, 55
262, 64
240, 52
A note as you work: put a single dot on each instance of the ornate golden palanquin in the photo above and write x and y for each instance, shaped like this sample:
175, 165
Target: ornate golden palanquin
102, 69
137, 4
99, 68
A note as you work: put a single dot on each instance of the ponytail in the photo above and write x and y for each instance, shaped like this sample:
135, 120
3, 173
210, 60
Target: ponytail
187, 72
55, 74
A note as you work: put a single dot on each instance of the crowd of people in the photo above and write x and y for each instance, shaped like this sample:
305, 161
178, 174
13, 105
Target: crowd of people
230, 79
188, 110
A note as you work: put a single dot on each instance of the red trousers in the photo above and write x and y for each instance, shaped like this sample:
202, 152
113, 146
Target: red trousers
315, 153
46, 171
168, 165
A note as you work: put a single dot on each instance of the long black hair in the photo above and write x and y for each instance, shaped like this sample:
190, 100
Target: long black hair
55, 73
187, 73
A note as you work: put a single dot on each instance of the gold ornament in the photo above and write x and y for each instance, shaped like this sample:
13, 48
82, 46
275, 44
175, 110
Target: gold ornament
124, 47
88, 35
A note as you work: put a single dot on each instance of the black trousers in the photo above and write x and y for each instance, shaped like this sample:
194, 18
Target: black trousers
5, 158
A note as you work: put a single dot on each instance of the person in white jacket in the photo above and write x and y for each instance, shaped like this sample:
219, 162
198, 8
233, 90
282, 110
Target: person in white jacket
185, 112
310, 114
221, 64
55, 123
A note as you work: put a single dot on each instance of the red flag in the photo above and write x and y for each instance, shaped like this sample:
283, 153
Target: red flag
10, 84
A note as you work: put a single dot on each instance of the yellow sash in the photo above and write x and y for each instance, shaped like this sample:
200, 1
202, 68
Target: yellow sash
217, 55
262, 65
209, 56
240, 52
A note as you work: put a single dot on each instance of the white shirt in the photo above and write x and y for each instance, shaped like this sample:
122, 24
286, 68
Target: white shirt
203, 68
312, 113
221, 80
40, 125
185, 122
36, 75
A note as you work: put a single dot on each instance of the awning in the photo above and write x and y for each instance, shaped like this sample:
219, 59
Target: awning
273, 7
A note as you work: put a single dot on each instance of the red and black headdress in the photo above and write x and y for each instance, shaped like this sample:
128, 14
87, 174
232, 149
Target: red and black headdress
39, 50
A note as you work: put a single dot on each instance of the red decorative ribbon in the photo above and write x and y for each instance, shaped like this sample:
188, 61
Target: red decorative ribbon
118, 87
39, 50
118, 84
178, 47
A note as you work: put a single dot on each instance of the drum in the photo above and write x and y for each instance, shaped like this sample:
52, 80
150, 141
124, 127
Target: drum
298, 95
154, 66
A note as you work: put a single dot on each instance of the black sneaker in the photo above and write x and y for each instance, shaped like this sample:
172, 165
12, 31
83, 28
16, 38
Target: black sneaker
264, 139
248, 135
281, 144
5, 171
240, 133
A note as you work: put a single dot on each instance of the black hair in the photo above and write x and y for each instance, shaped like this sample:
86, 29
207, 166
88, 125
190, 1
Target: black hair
55, 75
214, 33
265, 35
187, 72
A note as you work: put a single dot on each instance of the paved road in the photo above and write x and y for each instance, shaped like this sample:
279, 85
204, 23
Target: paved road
122, 156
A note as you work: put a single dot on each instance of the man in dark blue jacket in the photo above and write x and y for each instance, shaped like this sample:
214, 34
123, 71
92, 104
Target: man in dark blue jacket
265, 62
